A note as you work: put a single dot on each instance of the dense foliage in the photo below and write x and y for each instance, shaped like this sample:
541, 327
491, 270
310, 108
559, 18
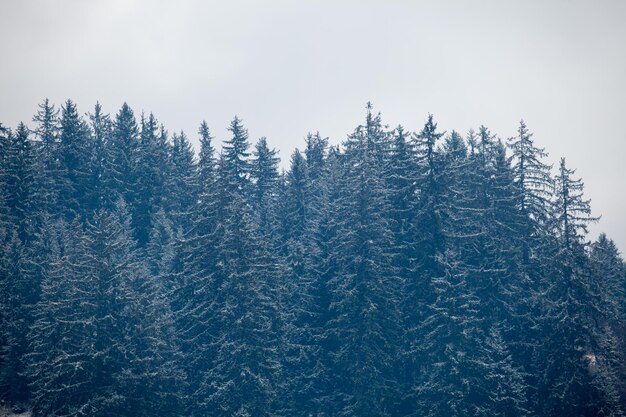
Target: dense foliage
408, 274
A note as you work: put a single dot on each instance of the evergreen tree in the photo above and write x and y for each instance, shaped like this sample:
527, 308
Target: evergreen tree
20, 183
534, 185
568, 322
242, 380
430, 222
365, 288
74, 156
315, 154
152, 174
235, 151
467, 371
309, 266
182, 182
16, 299
102, 341
120, 169
264, 173
47, 133
296, 199
206, 160
609, 274
101, 129
418, 211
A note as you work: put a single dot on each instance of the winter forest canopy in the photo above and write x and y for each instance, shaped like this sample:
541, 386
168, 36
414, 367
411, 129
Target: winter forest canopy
400, 274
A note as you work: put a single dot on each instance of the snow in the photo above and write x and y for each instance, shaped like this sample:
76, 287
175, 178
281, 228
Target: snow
6, 412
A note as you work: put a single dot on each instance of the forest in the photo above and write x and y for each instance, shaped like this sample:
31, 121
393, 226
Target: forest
399, 273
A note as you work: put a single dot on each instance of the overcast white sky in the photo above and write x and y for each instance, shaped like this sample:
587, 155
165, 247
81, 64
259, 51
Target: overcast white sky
289, 67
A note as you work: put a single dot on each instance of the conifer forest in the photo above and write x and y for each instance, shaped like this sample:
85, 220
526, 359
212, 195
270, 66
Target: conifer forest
427, 273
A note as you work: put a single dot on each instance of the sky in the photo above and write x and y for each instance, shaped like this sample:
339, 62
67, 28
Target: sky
291, 67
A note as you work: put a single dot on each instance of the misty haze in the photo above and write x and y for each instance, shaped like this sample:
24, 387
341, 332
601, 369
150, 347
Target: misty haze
330, 209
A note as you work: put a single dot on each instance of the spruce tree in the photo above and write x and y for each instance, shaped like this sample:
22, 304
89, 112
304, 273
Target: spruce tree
152, 174
534, 185
243, 377
235, 151
17, 295
47, 133
365, 287
102, 342
467, 370
74, 156
567, 385
100, 129
264, 174
120, 170
206, 158
20, 183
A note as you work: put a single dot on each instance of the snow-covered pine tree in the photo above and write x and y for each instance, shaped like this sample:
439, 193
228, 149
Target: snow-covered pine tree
609, 273
315, 154
120, 169
17, 293
534, 188
466, 370
61, 364
74, 155
206, 158
296, 199
182, 183
310, 264
102, 342
569, 321
19, 221
20, 184
236, 156
365, 289
242, 380
264, 174
419, 194
47, 134
100, 129
153, 168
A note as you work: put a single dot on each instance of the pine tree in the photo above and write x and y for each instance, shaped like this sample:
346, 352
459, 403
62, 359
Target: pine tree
315, 154
309, 266
152, 174
243, 377
17, 295
264, 174
47, 133
609, 275
59, 364
296, 199
365, 288
418, 209
430, 222
572, 213
568, 322
74, 156
534, 185
182, 182
101, 130
19, 218
235, 151
20, 183
467, 370
102, 341
206, 160
120, 169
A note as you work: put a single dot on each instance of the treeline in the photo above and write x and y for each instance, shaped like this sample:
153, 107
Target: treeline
413, 274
